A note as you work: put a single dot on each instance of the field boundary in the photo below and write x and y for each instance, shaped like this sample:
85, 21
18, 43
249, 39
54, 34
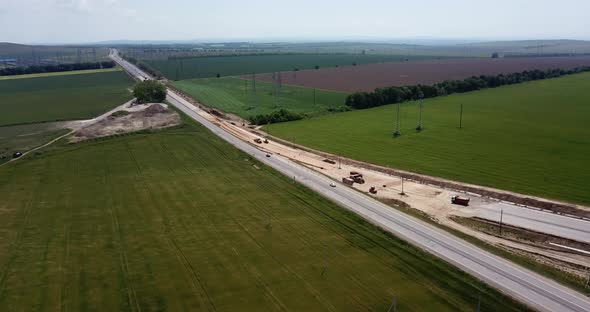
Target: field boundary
521, 200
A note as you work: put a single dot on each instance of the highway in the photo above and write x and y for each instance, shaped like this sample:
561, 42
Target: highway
540, 221
524, 285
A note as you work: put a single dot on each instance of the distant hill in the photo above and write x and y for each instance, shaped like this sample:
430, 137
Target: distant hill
531, 47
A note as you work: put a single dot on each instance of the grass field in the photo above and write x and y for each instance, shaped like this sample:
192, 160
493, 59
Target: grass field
531, 138
73, 72
178, 220
205, 67
62, 97
234, 95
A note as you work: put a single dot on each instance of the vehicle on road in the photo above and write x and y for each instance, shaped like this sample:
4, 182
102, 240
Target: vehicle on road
333, 184
459, 200
267, 155
17, 155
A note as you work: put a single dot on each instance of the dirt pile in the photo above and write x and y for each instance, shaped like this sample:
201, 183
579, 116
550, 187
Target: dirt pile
137, 118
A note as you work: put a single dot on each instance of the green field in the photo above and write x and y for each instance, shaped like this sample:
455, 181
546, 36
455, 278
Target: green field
73, 72
179, 220
205, 67
235, 95
25, 137
531, 138
63, 97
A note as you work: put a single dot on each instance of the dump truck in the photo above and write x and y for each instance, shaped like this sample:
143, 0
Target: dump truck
459, 200
373, 190
358, 179
348, 181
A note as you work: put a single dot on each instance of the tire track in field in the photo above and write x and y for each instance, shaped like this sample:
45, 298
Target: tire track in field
123, 260
314, 292
204, 296
321, 255
64, 263
20, 233
408, 267
276, 302
189, 267
309, 287
132, 156
307, 241
261, 283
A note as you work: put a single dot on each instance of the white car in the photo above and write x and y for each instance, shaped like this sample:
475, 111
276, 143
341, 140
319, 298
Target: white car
333, 184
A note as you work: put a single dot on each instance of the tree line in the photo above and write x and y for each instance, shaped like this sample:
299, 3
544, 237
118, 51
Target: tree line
281, 115
392, 95
37, 69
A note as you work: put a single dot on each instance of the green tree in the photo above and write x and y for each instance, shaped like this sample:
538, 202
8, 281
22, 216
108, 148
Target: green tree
149, 91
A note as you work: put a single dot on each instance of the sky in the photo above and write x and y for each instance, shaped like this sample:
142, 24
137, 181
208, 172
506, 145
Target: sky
85, 21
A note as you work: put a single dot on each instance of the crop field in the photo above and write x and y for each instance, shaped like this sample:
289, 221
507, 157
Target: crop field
180, 220
531, 138
73, 72
234, 95
63, 97
426, 72
205, 67
25, 137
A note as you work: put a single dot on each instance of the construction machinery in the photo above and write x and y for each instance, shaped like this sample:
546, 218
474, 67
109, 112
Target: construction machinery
459, 200
348, 181
258, 140
357, 177
373, 190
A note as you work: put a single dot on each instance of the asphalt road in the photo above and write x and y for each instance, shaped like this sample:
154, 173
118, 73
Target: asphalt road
530, 288
540, 221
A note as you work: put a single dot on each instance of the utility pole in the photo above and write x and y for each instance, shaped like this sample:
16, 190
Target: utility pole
479, 303
461, 117
420, 99
397, 122
501, 217
339, 163
402, 193
393, 305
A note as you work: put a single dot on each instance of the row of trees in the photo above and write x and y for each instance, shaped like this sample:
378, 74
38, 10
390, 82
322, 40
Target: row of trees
281, 115
390, 95
36, 69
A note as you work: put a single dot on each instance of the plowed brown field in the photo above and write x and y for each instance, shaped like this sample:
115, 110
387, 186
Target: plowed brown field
369, 77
